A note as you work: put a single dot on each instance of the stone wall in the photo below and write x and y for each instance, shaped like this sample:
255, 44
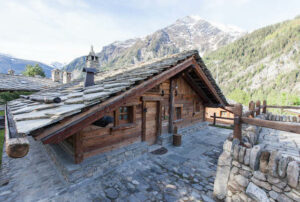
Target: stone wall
284, 118
253, 173
94, 166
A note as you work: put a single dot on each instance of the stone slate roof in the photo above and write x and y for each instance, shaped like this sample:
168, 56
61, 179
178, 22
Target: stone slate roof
30, 115
24, 83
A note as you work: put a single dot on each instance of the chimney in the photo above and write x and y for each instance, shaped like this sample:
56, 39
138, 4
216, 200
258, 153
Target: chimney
11, 72
67, 76
89, 78
55, 74
92, 60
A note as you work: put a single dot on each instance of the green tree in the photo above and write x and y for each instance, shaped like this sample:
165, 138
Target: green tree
33, 71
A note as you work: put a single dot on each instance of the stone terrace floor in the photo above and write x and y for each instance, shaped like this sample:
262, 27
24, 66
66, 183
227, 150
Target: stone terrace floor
288, 144
184, 173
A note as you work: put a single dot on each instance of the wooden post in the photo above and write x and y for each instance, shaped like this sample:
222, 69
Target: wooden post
78, 148
171, 106
214, 121
264, 107
176, 137
252, 109
144, 111
237, 131
258, 107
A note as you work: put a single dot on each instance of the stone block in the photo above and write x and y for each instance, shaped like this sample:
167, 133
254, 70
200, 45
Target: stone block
245, 173
264, 161
295, 195
260, 176
227, 146
278, 190
283, 198
242, 154
282, 166
241, 180
261, 184
293, 174
222, 175
236, 150
254, 157
256, 193
273, 180
237, 164
274, 195
273, 163
225, 159
247, 157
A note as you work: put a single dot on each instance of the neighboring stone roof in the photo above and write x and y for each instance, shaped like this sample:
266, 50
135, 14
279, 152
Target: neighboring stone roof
29, 115
24, 83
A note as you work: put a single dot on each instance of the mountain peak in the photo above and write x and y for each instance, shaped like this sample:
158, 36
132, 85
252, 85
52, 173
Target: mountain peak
187, 33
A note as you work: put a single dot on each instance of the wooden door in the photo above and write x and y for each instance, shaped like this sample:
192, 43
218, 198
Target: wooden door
151, 122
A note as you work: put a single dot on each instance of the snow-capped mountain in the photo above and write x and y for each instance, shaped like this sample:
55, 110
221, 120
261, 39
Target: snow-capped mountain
18, 65
57, 65
191, 32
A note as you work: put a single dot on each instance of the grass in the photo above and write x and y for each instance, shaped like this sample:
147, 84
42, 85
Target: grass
1, 144
1, 113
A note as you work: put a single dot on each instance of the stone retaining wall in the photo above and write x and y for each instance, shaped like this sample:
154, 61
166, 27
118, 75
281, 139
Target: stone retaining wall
284, 118
94, 166
255, 174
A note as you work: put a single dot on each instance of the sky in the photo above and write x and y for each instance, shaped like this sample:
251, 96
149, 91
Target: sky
61, 30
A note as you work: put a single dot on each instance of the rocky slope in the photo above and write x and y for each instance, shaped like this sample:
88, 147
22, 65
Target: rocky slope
8, 62
185, 34
264, 64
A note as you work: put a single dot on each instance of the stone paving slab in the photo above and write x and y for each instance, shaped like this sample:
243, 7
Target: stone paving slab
184, 173
287, 143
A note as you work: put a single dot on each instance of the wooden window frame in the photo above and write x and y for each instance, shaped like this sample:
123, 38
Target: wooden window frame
131, 113
181, 111
225, 115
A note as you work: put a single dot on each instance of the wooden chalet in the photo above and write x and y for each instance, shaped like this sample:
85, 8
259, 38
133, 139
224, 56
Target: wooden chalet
120, 107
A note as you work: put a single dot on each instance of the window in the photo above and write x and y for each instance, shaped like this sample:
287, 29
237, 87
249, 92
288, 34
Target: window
178, 112
124, 114
223, 114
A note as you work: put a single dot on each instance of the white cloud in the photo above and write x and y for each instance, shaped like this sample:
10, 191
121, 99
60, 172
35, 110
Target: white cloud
54, 31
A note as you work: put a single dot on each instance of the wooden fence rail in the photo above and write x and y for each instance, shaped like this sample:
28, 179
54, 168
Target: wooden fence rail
219, 117
255, 109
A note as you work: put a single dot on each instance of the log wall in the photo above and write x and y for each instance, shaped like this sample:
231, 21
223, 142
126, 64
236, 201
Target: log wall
97, 139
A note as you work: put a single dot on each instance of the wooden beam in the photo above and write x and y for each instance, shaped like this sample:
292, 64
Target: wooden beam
78, 148
171, 104
67, 128
237, 130
199, 72
159, 118
257, 107
264, 107
283, 107
231, 109
16, 146
152, 98
289, 127
116, 117
198, 90
252, 109
144, 113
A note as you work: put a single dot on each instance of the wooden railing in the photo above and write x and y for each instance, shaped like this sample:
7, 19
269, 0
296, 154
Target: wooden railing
219, 117
256, 109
